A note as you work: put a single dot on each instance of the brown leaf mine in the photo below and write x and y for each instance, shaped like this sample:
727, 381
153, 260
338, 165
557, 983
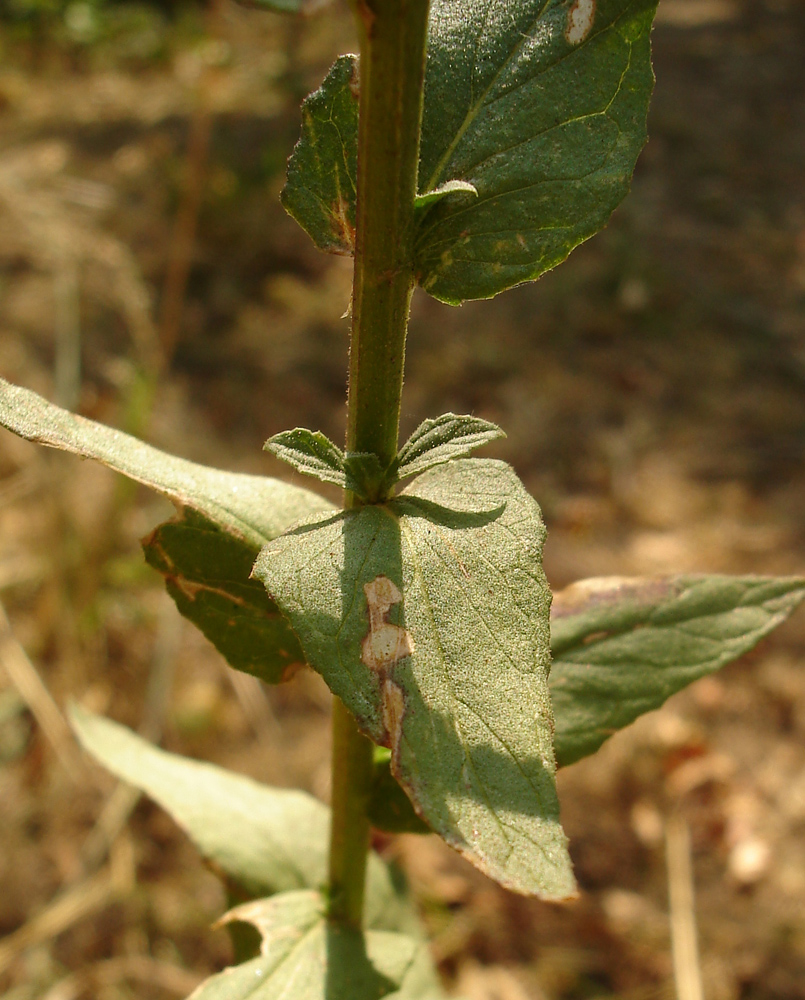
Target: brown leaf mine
579, 21
384, 643
383, 646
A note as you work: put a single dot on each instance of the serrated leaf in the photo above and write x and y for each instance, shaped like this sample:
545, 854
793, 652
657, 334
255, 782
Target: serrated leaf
623, 646
267, 839
443, 439
320, 190
311, 453
254, 508
207, 572
390, 809
431, 623
303, 957
541, 106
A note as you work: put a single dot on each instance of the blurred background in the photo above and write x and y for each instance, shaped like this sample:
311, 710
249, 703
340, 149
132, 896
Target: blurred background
653, 392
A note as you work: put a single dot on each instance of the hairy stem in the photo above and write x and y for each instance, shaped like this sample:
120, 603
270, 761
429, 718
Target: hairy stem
393, 35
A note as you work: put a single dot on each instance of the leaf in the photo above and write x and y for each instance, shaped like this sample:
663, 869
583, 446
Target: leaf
622, 646
311, 453
443, 439
303, 957
542, 107
537, 109
253, 508
431, 622
390, 808
207, 572
267, 839
320, 191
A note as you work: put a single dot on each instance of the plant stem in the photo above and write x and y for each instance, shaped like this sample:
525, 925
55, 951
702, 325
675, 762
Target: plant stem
393, 36
349, 836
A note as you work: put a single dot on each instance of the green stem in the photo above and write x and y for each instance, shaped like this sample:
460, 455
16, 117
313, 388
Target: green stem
393, 36
349, 835
392, 65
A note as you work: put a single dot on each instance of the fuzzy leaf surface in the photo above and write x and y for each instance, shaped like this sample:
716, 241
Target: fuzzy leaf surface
207, 572
311, 453
431, 622
267, 839
254, 508
303, 957
623, 646
321, 187
443, 439
541, 105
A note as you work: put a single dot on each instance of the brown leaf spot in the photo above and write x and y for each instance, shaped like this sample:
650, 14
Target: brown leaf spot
580, 21
384, 643
584, 595
393, 712
383, 646
355, 81
343, 229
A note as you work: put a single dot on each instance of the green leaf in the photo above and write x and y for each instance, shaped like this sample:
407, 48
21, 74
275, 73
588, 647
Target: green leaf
253, 508
622, 646
311, 453
304, 957
267, 839
320, 191
443, 439
535, 114
541, 106
431, 622
390, 808
207, 572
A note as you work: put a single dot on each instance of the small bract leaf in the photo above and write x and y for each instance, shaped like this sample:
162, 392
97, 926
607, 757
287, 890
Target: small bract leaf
541, 106
622, 646
443, 439
311, 453
431, 622
320, 191
267, 839
207, 572
305, 957
253, 508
